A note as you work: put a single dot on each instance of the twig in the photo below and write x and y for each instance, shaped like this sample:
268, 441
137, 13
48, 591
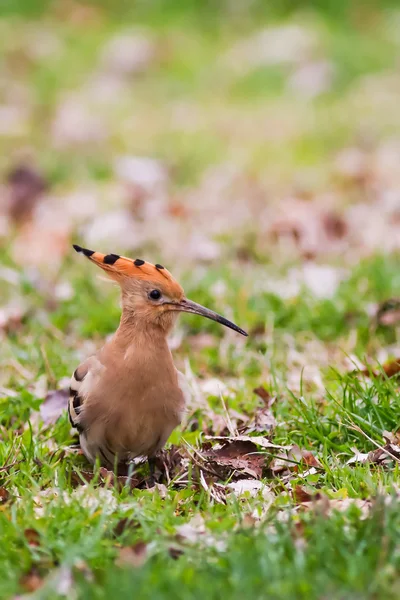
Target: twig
16, 462
359, 430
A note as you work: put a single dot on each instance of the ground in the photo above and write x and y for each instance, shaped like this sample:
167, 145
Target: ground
255, 153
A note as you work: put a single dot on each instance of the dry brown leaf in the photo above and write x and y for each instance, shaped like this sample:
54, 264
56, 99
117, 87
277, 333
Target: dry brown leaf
241, 456
31, 581
110, 480
310, 459
300, 494
390, 369
263, 420
12, 316
263, 393
175, 552
291, 459
25, 187
125, 524
32, 536
4, 495
81, 477
248, 521
132, 556
388, 313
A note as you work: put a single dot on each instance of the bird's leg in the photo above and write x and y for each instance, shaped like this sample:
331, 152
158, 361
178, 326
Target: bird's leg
152, 467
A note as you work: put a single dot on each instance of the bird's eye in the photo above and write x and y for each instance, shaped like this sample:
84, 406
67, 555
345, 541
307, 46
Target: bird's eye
155, 294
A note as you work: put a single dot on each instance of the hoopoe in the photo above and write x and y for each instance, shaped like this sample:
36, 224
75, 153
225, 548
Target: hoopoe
126, 399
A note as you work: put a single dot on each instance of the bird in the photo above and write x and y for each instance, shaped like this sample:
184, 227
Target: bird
126, 399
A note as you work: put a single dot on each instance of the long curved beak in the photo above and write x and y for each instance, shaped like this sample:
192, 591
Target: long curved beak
189, 306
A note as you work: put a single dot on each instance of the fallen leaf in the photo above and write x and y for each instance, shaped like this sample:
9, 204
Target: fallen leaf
258, 440
382, 455
53, 406
216, 491
169, 464
263, 393
391, 436
4, 495
110, 480
32, 536
174, 552
263, 420
81, 477
31, 581
12, 316
358, 457
25, 186
309, 458
292, 458
251, 487
300, 494
241, 456
124, 525
132, 556
248, 521
388, 313
390, 369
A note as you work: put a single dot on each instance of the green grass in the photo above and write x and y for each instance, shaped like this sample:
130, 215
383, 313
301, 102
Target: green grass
195, 112
302, 556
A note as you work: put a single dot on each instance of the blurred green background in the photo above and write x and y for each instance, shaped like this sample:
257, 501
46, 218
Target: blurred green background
244, 104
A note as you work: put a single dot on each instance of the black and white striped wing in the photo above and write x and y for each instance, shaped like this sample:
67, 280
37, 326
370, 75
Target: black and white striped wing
75, 403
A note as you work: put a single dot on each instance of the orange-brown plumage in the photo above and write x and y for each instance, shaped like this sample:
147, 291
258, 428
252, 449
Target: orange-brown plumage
127, 399
118, 267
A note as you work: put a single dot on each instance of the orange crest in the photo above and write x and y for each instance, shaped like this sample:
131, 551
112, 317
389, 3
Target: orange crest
119, 267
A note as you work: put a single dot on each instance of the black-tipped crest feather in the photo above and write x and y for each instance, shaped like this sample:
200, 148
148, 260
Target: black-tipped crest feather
84, 251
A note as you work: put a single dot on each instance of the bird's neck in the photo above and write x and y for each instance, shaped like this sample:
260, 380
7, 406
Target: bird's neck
133, 332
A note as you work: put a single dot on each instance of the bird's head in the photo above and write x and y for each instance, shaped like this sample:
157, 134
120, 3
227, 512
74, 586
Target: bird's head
149, 292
